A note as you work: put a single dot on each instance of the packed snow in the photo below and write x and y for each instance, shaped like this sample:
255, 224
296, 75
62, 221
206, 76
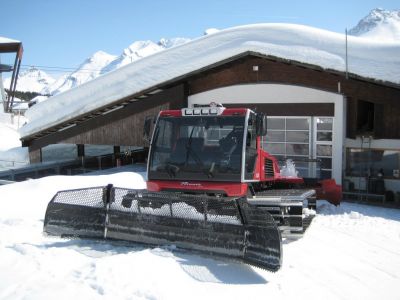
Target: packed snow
11, 152
301, 43
348, 252
289, 169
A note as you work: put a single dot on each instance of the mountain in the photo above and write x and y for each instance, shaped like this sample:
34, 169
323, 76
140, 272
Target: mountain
140, 49
169, 43
88, 70
379, 24
35, 80
101, 63
31, 80
135, 51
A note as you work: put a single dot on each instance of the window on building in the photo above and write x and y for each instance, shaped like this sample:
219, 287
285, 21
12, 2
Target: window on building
306, 140
323, 144
59, 152
373, 162
365, 116
289, 137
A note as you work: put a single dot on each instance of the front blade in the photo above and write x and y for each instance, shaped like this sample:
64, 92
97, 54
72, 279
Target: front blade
218, 226
78, 212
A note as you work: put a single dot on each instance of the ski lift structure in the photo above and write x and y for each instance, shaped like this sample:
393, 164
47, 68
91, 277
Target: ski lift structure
10, 46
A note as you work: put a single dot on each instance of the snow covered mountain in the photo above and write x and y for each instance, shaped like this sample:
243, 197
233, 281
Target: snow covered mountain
134, 52
101, 63
31, 80
379, 24
88, 70
140, 49
36, 80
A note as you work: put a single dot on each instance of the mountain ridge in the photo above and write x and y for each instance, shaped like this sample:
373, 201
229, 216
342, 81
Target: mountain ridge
380, 24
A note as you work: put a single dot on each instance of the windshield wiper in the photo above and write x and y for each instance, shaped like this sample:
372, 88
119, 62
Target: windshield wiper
171, 170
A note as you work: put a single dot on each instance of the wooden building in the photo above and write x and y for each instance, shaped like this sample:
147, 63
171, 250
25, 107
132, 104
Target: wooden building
348, 122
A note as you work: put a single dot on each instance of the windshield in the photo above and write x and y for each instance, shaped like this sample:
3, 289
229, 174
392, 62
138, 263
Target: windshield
197, 148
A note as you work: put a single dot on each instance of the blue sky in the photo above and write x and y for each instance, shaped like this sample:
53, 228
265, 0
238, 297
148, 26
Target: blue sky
63, 33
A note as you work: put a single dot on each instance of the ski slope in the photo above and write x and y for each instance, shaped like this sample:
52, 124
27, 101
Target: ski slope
349, 252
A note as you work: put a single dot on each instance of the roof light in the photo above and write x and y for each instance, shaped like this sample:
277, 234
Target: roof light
213, 111
196, 112
188, 112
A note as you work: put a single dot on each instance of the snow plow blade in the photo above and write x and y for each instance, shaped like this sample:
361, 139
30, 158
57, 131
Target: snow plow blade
226, 227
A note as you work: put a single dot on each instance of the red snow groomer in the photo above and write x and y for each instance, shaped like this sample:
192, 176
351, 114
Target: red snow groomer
210, 188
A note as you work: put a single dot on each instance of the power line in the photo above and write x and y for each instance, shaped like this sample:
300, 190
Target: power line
57, 69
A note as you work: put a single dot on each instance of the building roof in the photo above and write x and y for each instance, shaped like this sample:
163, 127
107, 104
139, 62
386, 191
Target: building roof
325, 49
9, 45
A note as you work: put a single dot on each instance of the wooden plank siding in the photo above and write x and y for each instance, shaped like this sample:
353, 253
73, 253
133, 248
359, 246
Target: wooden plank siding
35, 155
120, 127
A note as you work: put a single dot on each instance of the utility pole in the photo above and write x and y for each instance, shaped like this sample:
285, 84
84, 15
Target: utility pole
347, 62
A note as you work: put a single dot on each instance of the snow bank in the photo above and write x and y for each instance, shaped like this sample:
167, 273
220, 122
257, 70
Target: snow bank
11, 152
9, 137
349, 252
301, 43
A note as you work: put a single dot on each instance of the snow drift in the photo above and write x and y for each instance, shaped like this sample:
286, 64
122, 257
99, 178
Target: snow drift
349, 252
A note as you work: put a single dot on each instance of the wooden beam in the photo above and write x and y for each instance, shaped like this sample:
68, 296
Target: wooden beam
175, 96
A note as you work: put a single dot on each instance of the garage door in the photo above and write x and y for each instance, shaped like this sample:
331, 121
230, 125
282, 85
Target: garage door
306, 140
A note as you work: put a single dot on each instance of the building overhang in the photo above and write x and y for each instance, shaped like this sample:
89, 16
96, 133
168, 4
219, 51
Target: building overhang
161, 86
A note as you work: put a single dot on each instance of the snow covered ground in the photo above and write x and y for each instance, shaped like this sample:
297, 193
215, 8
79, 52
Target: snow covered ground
349, 252
11, 152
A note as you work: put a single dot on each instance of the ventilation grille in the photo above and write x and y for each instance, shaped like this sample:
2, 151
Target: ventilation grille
269, 168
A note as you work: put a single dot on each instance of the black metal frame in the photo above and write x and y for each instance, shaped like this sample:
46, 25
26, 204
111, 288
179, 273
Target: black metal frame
218, 226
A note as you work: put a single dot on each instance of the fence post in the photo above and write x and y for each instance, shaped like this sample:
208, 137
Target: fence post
107, 201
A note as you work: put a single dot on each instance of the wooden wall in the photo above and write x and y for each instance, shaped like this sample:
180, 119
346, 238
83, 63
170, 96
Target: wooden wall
241, 71
120, 127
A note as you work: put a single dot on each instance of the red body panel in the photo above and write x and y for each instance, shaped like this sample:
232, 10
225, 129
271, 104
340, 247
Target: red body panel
232, 189
277, 177
330, 191
170, 113
234, 111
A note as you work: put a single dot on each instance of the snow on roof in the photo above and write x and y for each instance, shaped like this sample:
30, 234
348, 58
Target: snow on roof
305, 44
4, 40
20, 106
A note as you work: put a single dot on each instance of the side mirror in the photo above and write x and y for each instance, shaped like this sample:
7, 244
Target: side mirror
261, 124
147, 128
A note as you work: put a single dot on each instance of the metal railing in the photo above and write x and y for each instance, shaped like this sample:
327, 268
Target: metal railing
76, 166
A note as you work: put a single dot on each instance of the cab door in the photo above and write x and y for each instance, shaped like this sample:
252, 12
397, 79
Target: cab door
250, 148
